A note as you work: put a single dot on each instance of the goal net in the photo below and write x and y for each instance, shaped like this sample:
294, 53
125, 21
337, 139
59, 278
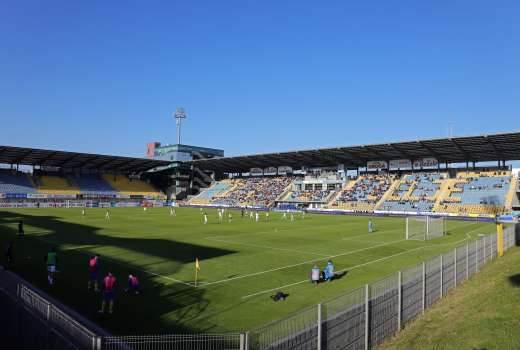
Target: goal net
424, 227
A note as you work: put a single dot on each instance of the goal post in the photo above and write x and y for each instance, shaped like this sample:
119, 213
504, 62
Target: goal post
424, 227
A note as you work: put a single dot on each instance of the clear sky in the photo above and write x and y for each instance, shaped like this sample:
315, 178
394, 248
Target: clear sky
255, 76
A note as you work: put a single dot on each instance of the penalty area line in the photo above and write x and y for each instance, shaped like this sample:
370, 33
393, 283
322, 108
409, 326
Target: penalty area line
302, 263
343, 270
467, 234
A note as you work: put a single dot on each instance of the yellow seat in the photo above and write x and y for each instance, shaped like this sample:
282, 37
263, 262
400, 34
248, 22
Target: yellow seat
132, 187
56, 185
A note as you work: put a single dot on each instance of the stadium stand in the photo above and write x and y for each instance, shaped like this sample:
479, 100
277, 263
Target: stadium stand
478, 193
309, 196
315, 188
94, 184
252, 191
364, 194
14, 182
258, 191
414, 192
131, 187
55, 185
206, 196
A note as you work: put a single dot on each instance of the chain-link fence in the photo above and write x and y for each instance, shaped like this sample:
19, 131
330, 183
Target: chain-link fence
360, 319
230, 341
365, 317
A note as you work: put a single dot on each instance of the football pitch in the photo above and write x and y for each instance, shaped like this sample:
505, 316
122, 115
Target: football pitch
242, 262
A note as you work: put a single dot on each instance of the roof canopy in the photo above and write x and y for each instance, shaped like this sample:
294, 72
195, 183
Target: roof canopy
494, 147
33, 156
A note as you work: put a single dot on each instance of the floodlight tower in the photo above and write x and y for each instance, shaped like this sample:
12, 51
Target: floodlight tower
179, 115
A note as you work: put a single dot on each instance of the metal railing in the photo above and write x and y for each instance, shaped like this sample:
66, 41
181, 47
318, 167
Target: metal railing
230, 341
365, 317
58, 320
360, 319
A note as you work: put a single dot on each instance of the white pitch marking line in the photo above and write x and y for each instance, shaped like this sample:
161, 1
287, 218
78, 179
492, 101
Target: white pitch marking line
265, 247
281, 230
303, 263
350, 268
360, 265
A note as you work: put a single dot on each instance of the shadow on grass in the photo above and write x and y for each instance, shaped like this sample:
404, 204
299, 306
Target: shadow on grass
165, 305
340, 275
515, 280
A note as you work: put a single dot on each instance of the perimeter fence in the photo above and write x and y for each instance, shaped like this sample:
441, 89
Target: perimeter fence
360, 319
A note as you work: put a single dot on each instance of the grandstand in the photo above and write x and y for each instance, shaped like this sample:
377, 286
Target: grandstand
78, 179
414, 193
252, 191
478, 193
317, 179
55, 185
131, 186
364, 194
15, 182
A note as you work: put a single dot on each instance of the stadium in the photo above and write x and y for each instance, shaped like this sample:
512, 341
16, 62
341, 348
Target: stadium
259, 175
214, 239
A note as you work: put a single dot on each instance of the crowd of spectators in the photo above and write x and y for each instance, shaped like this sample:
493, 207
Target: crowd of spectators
260, 191
309, 195
369, 188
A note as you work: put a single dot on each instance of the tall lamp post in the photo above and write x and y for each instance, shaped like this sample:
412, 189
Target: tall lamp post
179, 115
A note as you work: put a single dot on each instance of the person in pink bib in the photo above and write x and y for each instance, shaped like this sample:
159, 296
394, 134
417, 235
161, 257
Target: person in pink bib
109, 286
133, 285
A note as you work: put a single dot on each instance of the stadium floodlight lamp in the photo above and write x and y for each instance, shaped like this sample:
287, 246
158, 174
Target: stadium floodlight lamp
179, 115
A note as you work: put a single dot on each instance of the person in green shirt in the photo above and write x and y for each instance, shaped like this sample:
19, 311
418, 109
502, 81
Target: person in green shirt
51, 259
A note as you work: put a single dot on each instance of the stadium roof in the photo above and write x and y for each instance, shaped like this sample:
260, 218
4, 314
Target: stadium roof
34, 156
482, 148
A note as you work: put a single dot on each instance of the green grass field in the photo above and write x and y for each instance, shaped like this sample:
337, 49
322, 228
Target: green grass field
242, 262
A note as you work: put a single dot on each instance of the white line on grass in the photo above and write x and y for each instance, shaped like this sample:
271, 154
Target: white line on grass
265, 247
305, 228
350, 268
302, 263
116, 262
468, 236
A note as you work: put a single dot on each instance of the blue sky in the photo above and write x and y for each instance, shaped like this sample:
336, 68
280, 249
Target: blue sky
255, 76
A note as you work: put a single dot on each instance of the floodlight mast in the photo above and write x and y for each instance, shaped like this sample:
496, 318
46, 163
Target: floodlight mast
179, 115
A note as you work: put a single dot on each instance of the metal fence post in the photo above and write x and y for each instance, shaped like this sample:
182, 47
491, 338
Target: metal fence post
423, 285
442, 281
242, 341
455, 266
367, 338
319, 326
476, 255
97, 345
467, 261
484, 250
400, 299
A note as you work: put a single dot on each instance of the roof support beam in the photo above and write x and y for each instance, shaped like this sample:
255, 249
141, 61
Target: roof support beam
401, 152
464, 152
20, 159
438, 156
498, 153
